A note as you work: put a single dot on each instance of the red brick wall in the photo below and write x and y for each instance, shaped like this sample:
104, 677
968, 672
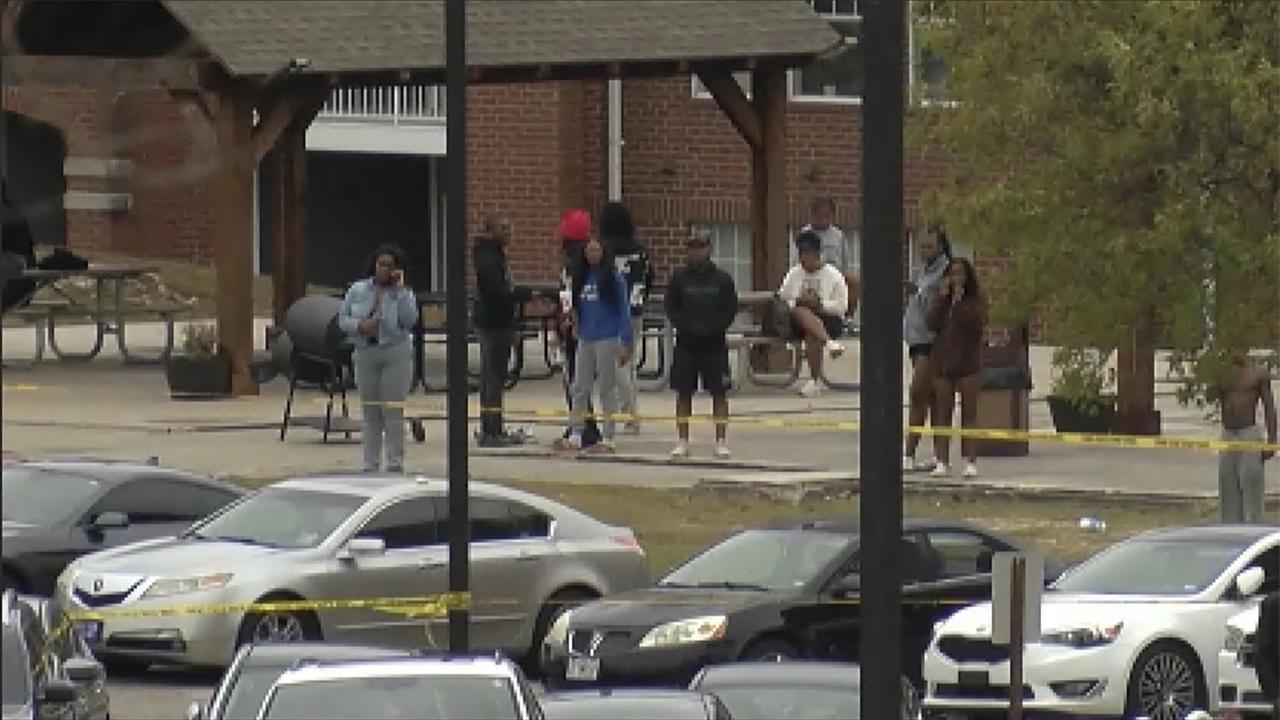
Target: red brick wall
170, 216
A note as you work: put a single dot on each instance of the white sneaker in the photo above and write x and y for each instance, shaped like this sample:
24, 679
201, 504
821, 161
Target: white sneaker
810, 388
631, 428
835, 349
680, 451
926, 465
941, 470
722, 451
970, 470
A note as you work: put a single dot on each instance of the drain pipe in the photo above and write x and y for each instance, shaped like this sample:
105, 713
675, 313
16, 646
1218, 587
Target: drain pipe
615, 139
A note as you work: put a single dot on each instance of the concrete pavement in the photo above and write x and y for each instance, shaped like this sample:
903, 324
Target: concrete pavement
106, 408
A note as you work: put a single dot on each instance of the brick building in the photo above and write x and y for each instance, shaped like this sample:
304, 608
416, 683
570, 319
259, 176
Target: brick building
136, 171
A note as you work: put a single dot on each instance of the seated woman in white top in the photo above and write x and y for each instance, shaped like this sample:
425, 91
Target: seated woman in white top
818, 297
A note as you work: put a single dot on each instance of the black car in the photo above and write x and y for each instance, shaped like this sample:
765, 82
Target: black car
796, 690
256, 668
609, 704
768, 593
56, 511
46, 674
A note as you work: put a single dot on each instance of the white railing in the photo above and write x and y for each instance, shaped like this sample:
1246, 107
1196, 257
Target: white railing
390, 104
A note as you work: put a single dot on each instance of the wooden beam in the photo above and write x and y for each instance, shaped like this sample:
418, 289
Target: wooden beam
232, 242
119, 74
298, 104
770, 244
734, 104
9, 29
289, 269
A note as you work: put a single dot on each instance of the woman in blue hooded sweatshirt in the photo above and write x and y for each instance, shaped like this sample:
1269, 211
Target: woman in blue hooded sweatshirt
602, 316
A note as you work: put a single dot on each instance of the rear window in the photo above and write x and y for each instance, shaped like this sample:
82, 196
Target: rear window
414, 697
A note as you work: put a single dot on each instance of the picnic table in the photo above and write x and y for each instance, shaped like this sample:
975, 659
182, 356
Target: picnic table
108, 310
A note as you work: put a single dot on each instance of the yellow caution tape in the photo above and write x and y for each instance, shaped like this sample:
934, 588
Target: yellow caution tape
771, 420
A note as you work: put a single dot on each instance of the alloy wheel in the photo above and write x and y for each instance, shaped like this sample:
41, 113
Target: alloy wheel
278, 627
1167, 687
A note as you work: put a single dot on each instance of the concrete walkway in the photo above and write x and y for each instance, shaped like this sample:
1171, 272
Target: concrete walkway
105, 408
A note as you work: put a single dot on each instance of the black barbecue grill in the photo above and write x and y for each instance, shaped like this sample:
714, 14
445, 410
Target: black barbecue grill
320, 356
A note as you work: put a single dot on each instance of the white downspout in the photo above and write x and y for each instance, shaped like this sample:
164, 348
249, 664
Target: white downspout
615, 139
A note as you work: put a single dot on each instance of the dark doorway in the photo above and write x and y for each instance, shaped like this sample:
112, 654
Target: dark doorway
35, 181
355, 202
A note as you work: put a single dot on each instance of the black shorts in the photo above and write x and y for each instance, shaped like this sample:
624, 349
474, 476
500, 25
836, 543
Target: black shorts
833, 324
921, 350
694, 362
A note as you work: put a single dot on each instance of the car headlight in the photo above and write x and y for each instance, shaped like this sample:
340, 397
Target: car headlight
178, 586
1083, 637
1234, 640
558, 633
682, 632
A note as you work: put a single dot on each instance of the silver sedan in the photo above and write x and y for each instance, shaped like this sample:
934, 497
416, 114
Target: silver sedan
340, 538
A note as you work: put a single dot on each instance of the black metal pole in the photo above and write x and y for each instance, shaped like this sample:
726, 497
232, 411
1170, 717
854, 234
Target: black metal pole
880, 452
455, 26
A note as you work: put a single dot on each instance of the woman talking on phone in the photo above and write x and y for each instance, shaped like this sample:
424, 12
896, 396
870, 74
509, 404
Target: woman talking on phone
958, 314
378, 315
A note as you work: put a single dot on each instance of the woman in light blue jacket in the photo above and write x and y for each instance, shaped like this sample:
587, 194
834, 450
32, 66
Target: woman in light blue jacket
378, 315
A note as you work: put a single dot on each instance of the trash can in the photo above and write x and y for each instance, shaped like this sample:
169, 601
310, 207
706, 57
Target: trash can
1004, 398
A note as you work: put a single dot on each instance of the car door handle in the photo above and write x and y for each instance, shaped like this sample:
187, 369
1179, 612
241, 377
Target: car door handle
528, 557
431, 564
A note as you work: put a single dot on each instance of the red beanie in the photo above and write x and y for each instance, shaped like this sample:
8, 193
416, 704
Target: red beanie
575, 226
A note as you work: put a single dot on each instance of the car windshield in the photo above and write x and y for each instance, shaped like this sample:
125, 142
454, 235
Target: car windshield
765, 702
42, 497
245, 697
763, 559
16, 681
627, 708
1151, 567
280, 517
421, 697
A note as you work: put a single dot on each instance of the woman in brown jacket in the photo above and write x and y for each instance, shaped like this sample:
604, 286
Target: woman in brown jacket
958, 314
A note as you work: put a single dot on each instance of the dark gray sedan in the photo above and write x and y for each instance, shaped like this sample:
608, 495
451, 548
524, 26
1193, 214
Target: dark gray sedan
57, 510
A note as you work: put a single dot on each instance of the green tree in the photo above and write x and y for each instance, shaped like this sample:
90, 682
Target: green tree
1125, 158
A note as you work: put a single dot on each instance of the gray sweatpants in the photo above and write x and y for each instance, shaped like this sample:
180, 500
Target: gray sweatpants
383, 375
1240, 479
596, 359
627, 391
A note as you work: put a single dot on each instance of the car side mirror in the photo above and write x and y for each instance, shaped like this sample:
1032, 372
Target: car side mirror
83, 670
362, 547
58, 692
195, 711
1250, 581
110, 519
850, 584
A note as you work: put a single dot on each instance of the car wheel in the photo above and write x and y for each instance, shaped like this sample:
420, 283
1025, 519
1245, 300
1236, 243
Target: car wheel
556, 605
910, 700
770, 649
1165, 684
278, 626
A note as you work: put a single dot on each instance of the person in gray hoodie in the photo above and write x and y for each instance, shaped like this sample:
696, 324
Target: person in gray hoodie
934, 249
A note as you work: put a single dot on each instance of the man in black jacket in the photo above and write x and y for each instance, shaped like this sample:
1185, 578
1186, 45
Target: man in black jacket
701, 302
1266, 651
495, 321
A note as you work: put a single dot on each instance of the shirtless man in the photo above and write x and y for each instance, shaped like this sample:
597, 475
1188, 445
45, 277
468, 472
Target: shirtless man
1240, 478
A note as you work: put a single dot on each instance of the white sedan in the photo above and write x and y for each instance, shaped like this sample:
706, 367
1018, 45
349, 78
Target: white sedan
1239, 694
1134, 631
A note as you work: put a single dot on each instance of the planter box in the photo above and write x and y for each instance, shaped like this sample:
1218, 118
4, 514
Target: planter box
193, 378
1095, 416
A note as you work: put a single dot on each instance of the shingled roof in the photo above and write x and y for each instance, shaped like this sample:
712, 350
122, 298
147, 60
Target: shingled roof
258, 37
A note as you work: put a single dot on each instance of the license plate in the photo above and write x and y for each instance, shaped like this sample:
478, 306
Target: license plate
90, 630
974, 678
582, 668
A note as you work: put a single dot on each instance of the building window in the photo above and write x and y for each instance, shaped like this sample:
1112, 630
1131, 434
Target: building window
842, 76
701, 92
929, 68
731, 250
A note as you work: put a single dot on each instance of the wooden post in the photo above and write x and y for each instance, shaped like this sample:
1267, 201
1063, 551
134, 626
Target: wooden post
769, 252
289, 269
232, 241
1017, 618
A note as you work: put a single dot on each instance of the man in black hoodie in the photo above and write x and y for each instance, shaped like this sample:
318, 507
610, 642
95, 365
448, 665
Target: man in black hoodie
495, 321
701, 302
